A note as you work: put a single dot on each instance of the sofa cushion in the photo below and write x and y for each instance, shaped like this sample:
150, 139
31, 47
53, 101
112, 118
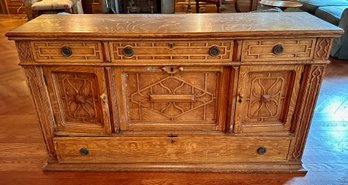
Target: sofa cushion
331, 14
311, 6
52, 5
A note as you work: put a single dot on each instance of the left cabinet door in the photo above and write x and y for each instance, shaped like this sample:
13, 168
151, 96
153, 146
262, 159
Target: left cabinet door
79, 100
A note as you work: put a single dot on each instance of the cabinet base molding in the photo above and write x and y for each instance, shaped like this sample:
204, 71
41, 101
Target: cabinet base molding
183, 167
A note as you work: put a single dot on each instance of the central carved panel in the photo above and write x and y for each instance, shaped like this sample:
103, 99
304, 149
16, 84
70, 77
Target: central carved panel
175, 98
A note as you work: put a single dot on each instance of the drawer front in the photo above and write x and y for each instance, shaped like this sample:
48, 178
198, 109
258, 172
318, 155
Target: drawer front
67, 51
277, 49
171, 149
196, 51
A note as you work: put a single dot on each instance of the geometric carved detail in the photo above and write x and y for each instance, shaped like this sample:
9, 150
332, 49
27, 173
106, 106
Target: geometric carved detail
262, 50
313, 78
323, 48
79, 97
81, 51
175, 97
266, 96
176, 50
24, 53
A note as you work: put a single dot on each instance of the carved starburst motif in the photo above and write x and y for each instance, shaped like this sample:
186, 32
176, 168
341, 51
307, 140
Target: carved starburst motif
79, 99
265, 97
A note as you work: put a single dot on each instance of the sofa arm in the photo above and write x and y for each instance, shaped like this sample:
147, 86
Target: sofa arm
340, 45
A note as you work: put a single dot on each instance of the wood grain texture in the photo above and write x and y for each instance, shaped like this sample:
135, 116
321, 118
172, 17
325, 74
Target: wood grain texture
325, 154
154, 113
139, 87
322, 48
165, 25
197, 150
266, 98
147, 51
293, 49
78, 99
313, 76
82, 51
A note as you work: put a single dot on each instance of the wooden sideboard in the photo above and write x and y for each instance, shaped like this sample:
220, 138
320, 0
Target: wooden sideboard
184, 92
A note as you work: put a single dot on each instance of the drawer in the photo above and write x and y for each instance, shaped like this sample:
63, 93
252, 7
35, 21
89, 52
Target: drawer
277, 49
171, 149
67, 51
196, 51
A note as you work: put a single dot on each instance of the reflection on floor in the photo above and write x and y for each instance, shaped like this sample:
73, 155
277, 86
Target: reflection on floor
22, 150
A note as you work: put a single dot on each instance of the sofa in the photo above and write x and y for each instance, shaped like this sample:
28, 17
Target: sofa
335, 12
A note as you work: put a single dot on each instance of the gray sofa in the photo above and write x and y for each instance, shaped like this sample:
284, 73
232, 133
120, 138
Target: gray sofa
335, 12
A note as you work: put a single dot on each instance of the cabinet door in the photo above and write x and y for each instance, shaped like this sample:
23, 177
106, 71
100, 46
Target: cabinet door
266, 97
171, 98
79, 100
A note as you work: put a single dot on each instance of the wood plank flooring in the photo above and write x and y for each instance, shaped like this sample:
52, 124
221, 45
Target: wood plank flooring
22, 150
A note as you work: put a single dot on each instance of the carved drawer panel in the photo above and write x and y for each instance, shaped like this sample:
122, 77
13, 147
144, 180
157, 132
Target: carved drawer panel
172, 51
67, 51
267, 97
78, 98
171, 98
175, 150
278, 49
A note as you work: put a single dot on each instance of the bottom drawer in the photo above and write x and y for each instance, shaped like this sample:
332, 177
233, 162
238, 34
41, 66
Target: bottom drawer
166, 149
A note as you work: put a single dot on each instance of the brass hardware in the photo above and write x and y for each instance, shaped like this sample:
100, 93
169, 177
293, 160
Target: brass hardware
262, 150
214, 51
128, 51
66, 51
278, 49
84, 151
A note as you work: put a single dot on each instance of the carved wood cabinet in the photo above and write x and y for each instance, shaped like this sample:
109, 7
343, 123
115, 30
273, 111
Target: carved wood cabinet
218, 92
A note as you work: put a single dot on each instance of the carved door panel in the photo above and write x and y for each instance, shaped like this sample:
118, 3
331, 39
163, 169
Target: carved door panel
79, 100
171, 98
266, 97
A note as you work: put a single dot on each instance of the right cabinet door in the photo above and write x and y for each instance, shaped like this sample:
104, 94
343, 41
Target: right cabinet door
266, 97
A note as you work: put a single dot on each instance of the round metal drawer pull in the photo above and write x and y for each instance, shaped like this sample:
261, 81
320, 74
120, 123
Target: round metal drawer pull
84, 151
128, 51
214, 51
66, 51
278, 49
262, 150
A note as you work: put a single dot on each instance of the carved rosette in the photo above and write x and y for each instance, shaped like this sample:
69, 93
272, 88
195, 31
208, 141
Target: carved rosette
307, 101
265, 97
79, 97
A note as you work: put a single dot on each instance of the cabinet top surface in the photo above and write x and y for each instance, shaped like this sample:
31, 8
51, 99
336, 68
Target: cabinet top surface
176, 25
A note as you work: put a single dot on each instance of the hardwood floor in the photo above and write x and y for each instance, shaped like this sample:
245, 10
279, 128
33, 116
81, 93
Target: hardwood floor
22, 150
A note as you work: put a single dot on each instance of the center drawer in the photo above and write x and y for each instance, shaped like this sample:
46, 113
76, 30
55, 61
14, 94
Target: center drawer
147, 51
171, 149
